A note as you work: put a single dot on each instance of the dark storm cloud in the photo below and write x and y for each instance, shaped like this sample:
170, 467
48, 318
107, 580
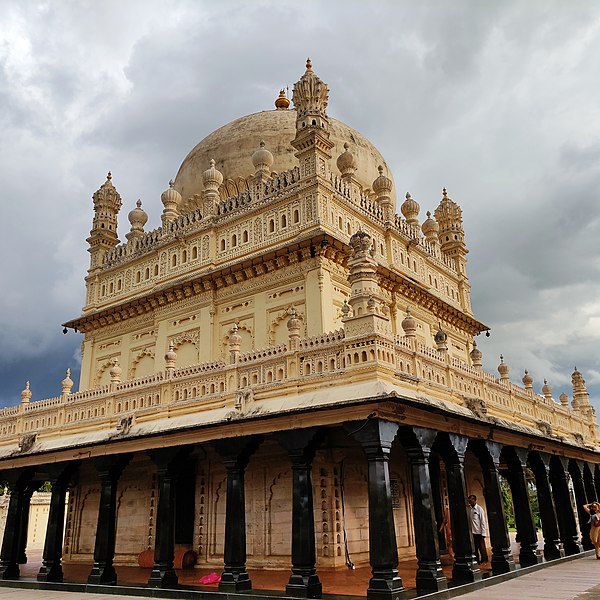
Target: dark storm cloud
496, 101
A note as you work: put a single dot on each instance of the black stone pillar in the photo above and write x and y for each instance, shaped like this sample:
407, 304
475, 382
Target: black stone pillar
575, 470
564, 508
18, 481
465, 569
51, 569
301, 445
488, 453
596, 473
517, 463
540, 465
588, 482
235, 453
109, 469
24, 520
169, 463
417, 442
375, 437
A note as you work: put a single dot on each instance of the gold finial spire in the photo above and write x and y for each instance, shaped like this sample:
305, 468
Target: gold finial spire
308, 64
109, 176
282, 101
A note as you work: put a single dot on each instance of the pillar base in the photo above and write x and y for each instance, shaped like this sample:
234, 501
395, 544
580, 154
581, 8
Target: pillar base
552, 551
103, 575
528, 558
502, 561
9, 570
235, 582
304, 586
163, 576
430, 577
385, 588
465, 570
52, 573
572, 548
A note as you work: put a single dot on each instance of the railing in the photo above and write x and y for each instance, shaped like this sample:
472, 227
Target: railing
272, 369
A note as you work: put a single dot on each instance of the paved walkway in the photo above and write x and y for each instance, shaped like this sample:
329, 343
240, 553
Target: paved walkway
574, 580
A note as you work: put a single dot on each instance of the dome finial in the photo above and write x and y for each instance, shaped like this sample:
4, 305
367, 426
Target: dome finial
109, 176
282, 102
308, 64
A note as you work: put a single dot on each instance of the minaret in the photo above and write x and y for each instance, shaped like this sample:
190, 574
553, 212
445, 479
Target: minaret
312, 143
103, 235
448, 214
451, 235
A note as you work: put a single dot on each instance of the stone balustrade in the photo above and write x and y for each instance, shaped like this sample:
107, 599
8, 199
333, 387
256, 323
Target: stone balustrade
422, 371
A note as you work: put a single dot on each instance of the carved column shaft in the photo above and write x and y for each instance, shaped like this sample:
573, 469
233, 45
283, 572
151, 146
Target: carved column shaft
304, 581
489, 458
430, 577
523, 515
18, 481
51, 569
564, 510
465, 564
375, 437
575, 470
109, 469
540, 465
235, 454
169, 462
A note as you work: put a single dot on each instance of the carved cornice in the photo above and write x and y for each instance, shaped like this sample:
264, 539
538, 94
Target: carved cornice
195, 285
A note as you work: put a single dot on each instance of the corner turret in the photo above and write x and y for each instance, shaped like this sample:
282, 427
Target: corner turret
312, 143
103, 235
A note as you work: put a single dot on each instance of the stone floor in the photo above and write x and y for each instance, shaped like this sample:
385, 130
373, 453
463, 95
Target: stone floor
578, 579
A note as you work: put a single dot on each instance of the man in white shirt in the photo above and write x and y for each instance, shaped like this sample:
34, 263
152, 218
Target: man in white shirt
479, 529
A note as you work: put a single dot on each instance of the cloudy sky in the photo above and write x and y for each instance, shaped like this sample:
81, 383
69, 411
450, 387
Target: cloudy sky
497, 101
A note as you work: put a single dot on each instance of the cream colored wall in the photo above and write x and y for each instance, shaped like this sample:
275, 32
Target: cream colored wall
38, 519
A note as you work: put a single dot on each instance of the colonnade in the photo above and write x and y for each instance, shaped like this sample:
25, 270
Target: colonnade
564, 531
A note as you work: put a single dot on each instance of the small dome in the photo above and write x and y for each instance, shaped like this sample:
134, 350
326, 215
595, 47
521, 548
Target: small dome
235, 339
294, 322
527, 380
546, 389
282, 102
441, 336
346, 163
430, 227
447, 209
262, 159
171, 355
26, 393
476, 354
138, 217
383, 184
67, 383
115, 371
410, 209
503, 368
171, 196
564, 400
212, 177
409, 324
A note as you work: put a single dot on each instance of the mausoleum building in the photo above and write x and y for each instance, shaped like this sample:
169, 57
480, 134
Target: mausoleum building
284, 375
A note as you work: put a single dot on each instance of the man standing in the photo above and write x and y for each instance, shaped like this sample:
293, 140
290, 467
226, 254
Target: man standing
479, 529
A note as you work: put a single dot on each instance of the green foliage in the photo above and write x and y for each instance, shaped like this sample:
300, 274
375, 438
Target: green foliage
509, 510
45, 487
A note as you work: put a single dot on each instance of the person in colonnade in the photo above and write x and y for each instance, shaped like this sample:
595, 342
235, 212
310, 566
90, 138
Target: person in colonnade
593, 509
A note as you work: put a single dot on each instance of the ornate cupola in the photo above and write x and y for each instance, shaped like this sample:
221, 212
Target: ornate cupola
312, 143
430, 229
103, 236
171, 200
212, 178
581, 398
410, 209
346, 164
137, 218
382, 187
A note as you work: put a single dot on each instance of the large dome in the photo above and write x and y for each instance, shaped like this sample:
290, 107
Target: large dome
232, 147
